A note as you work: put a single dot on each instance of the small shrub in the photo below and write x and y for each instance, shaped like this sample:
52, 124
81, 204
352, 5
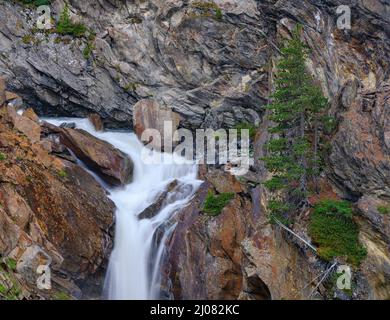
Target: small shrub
214, 204
384, 209
27, 39
3, 290
130, 87
11, 264
330, 124
88, 50
218, 13
341, 208
65, 25
275, 183
333, 230
3, 156
62, 173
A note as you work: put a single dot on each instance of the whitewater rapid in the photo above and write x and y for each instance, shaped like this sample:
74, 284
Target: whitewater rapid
134, 266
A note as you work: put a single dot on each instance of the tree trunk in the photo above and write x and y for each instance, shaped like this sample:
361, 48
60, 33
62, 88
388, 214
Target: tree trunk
315, 165
303, 161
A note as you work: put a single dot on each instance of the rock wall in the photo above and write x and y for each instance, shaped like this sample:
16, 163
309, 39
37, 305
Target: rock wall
52, 212
236, 255
216, 70
210, 70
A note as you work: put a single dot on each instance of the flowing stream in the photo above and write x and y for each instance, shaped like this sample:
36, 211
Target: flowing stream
134, 267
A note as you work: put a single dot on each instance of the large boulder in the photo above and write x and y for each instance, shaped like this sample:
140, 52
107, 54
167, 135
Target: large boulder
148, 114
96, 121
112, 165
163, 199
27, 124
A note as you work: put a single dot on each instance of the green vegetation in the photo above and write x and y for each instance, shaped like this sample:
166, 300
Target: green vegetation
61, 296
3, 290
331, 285
11, 264
333, 230
130, 87
87, 51
246, 126
27, 39
3, 156
209, 9
9, 287
218, 14
62, 173
384, 209
292, 157
66, 26
36, 3
214, 204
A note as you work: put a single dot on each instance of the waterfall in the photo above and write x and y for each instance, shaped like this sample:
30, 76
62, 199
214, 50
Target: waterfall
134, 266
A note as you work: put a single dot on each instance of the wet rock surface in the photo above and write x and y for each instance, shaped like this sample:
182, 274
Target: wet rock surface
162, 200
112, 165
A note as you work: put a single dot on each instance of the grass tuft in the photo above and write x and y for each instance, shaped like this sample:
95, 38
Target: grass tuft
384, 209
62, 173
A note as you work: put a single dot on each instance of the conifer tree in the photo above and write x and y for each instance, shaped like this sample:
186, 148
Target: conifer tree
295, 102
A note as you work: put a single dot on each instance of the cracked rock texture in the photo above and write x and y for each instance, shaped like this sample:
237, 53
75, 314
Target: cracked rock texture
217, 71
210, 70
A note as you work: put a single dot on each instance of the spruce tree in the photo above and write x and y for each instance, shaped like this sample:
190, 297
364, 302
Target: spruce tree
295, 102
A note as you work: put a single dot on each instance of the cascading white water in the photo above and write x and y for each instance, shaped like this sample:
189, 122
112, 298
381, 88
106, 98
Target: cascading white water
129, 274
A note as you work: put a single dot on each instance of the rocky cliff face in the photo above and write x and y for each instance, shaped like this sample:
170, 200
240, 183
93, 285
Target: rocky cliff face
209, 69
215, 68
52, 213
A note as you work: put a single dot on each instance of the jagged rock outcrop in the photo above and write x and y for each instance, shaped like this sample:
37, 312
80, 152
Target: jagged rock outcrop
162, 200
111, 164
52, 212
236, 255
217, 71
149, 115
210, 70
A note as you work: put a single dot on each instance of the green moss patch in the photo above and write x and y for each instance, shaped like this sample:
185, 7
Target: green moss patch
384, 209
333, 230
61, 296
